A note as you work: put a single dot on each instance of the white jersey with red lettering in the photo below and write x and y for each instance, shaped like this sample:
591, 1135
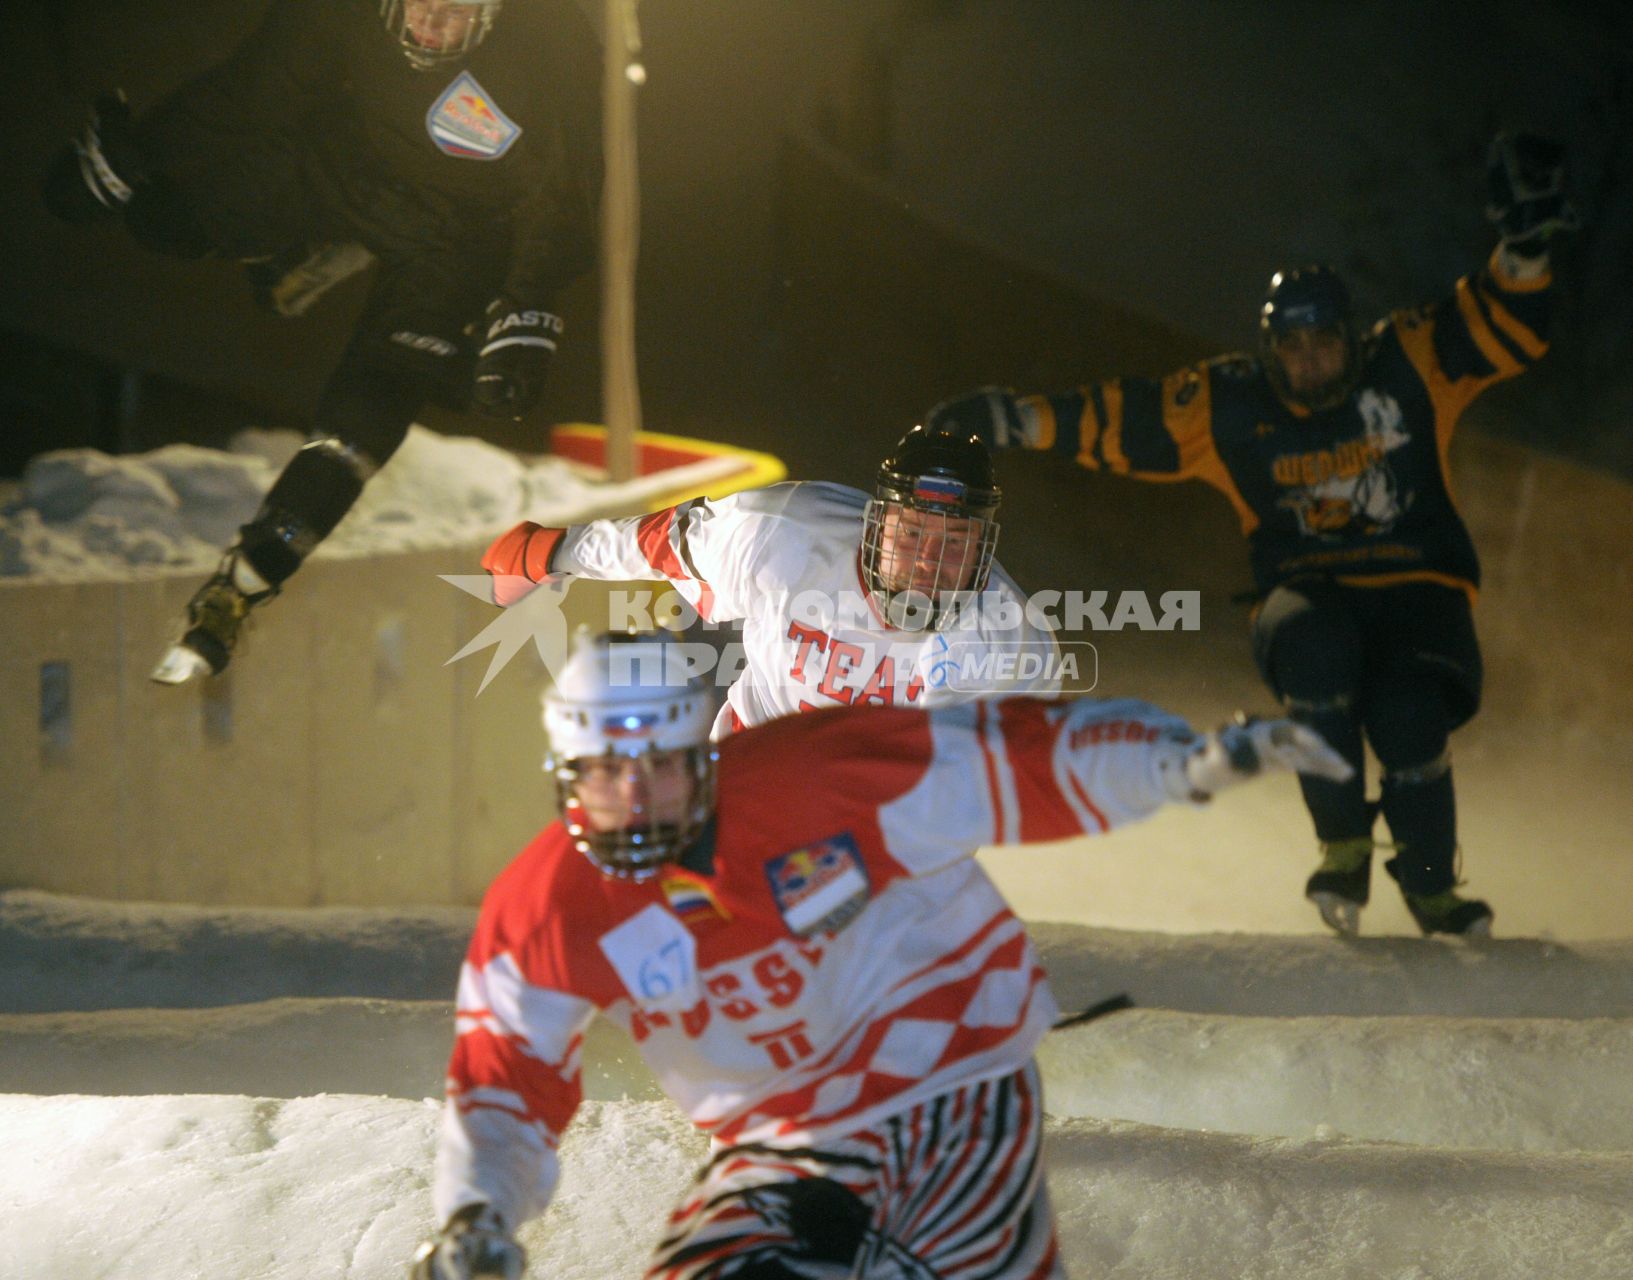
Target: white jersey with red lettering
785, 562
828, 954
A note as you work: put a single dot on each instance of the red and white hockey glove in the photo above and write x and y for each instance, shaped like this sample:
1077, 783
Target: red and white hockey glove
519, 560
1249, 748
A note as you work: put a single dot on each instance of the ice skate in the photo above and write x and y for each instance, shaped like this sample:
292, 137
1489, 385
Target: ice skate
1448, 912
1341, 885
215, 618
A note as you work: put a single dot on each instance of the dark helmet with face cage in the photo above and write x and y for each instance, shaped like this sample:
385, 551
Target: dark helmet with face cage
1309, 297
422, 54
931, 517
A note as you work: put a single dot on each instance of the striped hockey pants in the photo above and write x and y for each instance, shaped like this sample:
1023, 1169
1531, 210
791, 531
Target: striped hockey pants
950, 1189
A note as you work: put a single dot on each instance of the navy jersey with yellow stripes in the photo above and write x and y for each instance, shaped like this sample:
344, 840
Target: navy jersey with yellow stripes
1357, 493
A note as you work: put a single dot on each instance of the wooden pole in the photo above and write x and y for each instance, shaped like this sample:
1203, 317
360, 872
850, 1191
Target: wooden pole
620, 237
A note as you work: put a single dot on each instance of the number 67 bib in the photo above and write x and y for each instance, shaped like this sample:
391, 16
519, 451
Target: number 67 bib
655, 958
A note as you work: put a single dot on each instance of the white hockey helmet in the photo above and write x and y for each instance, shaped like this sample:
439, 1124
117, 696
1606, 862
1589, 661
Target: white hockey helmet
434, 33
634, 698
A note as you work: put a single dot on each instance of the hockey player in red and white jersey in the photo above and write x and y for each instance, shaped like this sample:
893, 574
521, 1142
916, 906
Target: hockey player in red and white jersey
793, 930
844, 600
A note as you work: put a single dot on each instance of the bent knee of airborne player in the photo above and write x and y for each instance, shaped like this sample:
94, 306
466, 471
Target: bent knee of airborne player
408, 349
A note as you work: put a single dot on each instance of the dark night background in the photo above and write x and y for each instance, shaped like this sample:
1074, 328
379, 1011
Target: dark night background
855, 207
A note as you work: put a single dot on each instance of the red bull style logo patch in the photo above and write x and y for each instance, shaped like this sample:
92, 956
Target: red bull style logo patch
465, 122
820, 888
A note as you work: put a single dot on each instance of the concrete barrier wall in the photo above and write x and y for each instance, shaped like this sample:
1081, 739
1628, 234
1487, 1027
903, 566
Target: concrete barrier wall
339, 761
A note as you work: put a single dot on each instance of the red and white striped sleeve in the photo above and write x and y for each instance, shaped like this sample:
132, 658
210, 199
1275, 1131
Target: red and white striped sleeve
709, 550
514, 1082
1021, 770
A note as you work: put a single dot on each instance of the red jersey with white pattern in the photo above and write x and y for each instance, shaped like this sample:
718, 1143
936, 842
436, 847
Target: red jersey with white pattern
784, 561
828, 954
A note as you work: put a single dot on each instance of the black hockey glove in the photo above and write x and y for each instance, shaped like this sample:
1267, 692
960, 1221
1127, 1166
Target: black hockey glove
1528, 194
991, 413
94, 177
474, 1244
514, 357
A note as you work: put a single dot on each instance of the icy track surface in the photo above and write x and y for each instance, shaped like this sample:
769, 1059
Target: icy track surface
238, 1093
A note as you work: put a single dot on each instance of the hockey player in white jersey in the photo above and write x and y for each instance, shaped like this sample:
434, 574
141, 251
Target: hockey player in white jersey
794, 932
844, 600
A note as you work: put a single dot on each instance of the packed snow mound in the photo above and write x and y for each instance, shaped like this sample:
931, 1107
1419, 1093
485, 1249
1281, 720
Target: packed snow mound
290, 1047
83, 515
60, 953
65, 953
338, 1186
1517, 1084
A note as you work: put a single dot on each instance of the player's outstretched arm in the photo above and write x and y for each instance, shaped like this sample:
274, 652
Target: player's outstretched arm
1123, 761
1021, 770
709, 550
1144, 428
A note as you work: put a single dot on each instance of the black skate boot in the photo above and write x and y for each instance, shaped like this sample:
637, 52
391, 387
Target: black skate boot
1341, 885
1448, 912
215, 617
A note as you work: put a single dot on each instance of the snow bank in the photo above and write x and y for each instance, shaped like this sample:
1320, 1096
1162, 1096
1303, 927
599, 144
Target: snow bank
1519, 1084
1500, 1084
1160, 1204
83, 515
337, 1186
65, 953
1318, 974
286, 1048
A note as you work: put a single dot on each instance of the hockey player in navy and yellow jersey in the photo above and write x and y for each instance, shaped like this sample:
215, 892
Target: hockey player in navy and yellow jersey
1332, 446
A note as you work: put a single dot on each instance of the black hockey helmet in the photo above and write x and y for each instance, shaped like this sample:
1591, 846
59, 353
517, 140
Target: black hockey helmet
1309, 297
929, 533
434, 33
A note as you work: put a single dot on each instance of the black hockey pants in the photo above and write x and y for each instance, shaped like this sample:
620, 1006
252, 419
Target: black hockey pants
1399, 666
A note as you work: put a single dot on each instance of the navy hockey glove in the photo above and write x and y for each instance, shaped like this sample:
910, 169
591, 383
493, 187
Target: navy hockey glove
95, 176
990, 413
514, 357
1528, 197
474, 1244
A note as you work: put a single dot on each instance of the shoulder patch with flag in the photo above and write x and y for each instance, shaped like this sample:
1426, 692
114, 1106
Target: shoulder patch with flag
466, 122
820, 888
692, 900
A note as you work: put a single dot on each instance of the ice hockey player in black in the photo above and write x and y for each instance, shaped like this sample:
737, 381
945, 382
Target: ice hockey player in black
457, 145
1331, 444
